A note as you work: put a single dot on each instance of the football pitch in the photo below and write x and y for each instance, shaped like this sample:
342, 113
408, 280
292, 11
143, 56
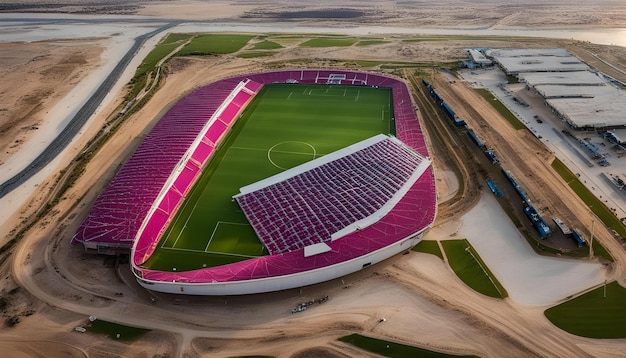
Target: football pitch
285, 125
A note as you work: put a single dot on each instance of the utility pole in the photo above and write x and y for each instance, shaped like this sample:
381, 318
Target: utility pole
593, 221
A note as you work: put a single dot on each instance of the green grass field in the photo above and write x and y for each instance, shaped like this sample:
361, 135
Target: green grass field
211, 44
592, 314
500, 107
596, 205
392, 349
470, 268
329, 42
256, 54
429, 247
266, 45
284, 126
126, 333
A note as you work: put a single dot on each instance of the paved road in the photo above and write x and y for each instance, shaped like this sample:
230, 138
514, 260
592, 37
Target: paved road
80, 118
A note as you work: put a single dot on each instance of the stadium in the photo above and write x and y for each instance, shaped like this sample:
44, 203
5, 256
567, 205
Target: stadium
270, 181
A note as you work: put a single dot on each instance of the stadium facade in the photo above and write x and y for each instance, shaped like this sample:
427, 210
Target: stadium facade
318, 241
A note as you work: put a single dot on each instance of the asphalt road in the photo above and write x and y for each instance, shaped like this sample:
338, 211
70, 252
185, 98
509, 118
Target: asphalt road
80, 118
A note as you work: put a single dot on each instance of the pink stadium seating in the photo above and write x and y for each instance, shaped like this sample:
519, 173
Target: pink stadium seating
203, 152
217, 130
118, 213
317, 203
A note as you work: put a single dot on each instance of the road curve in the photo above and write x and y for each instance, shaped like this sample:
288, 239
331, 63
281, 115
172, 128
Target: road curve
68, 133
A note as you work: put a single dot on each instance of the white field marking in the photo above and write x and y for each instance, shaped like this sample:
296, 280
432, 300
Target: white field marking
276, 151
269, 151
182, 208
211, 237
185, 203
289, 97
180, 233
326, 93
469, 250
208, 252
215, 229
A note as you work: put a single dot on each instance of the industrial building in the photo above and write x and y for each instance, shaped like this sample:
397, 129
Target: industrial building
583, 98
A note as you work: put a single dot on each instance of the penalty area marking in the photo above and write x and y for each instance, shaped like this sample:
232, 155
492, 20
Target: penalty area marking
269, 152
215, 229
317, 92
209, 252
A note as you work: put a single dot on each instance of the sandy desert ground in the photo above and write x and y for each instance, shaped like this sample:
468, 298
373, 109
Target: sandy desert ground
53, 287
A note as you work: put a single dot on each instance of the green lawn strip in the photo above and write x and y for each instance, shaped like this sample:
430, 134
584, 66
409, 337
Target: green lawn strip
266, 45
213, 44
429, 247
169, 44
371, 42
596, 205
593, 315
156, 55
173, 37
501, 108
392, 349
113, 329
329, 42
284, 126
470, 268
256, 54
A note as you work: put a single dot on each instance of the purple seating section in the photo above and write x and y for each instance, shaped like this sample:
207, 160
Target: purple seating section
308, 208
117, 215
175, 195
253, 87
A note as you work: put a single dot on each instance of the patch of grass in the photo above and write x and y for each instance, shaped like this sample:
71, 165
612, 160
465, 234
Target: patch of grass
429, 247
596, 205
371, 42
329, 42
171, 42
511, 79
215, 44
266, 45
156, 55
111, 329
593, 315
600, 251
501, 108
256, 54
470, 268
392, 349
176, 38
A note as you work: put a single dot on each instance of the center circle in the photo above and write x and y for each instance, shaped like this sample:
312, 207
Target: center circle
289, 154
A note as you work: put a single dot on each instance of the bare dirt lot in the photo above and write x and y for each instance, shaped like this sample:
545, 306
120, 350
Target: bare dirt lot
34, 77
52, 287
